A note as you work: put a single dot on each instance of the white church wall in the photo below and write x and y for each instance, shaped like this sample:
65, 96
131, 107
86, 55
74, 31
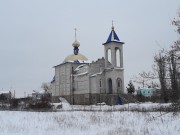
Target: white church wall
81, 84
97, 67
97, 85
67, 78
63, 82
62, 79
93, 83
114, 74
101, 83
57, 81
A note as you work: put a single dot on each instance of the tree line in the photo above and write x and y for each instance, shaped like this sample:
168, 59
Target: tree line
166, 69
167, 66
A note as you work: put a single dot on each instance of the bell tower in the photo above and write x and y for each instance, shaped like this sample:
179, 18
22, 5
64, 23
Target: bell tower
114, 70
113, 50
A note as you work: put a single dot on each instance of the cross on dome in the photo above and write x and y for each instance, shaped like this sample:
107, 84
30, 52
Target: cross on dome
76, 43
75, 34
76, 57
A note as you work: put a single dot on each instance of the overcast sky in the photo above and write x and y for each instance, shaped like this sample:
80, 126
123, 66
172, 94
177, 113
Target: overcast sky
36, 35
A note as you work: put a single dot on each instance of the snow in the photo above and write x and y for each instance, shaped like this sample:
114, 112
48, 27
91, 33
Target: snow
99, 119
80, 67
96, 74
79, 61
147, 106
88, 123
41, 91
4, 92
81, 74
151, 107
119, 68
63, 105
83, 61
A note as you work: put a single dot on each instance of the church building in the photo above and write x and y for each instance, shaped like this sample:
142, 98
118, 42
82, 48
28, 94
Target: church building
82, 82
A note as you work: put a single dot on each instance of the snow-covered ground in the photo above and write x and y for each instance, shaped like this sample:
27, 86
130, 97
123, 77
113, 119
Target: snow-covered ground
63, 105
88, 123
126, 107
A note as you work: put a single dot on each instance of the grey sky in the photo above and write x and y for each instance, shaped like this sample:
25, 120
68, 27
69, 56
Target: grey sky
35, 35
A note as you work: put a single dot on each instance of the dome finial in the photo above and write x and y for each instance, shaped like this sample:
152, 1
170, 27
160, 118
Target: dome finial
112, 25
76, 43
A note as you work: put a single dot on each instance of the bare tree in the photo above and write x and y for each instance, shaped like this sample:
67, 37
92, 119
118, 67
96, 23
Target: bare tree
146, 79
46, 86
161, 68
174, 74
174, 61
176, 22
168, 67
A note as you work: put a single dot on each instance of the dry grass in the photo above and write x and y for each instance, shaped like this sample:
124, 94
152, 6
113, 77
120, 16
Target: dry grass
87, 123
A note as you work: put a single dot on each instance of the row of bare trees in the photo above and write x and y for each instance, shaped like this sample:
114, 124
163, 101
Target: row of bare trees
166, 69
167, 65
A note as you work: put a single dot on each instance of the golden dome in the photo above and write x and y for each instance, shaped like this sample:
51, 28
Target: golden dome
73, 57
76, 44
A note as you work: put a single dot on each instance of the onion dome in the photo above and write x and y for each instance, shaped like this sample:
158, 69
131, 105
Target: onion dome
76, 44
75, 58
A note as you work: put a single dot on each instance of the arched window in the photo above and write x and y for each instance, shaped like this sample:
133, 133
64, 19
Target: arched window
109, 55
100, 83
118, 57
119, 85
110, 85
